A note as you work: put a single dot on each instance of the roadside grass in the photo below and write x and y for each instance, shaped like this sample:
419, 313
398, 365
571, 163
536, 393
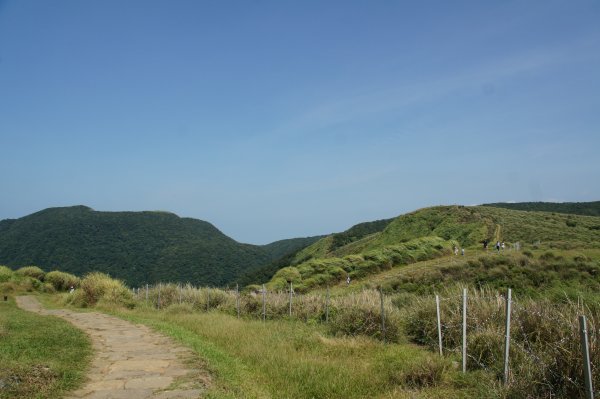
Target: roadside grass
35, 362
290, 359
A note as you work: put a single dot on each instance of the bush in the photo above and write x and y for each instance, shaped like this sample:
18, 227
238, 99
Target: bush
5, 274
361, 315
31, 271
62, 281
98, 286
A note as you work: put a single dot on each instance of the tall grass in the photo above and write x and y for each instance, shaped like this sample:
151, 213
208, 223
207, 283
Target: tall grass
31, 271
291, 359
355, 314
545, 354
62, 281
96, 287
5, 274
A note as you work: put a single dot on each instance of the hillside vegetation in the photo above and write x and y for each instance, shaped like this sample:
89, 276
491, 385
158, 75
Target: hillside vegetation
452, 226
576, 208
138, 247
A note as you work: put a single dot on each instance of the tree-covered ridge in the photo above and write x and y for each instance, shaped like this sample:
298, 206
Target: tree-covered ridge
575, 208
137, 247
278, 249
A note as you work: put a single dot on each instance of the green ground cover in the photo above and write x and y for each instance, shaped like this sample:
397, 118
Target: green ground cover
291, 359
35, 362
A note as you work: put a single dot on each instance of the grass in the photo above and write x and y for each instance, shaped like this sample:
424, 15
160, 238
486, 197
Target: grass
331, 270
290, 359
35, 362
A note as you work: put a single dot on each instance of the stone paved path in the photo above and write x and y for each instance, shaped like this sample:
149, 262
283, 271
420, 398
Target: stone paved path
131, 361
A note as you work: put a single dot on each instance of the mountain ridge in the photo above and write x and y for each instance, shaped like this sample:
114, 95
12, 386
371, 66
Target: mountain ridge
138, 247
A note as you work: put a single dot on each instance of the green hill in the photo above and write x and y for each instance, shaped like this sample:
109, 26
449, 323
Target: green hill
575, 208
331, 244
137, 247
433, 232
281, 248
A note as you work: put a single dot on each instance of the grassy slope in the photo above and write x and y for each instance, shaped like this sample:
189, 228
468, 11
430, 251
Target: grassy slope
282, 359
465, 226
35, 362
576, 208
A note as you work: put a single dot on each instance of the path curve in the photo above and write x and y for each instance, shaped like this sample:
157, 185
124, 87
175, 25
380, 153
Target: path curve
130, 361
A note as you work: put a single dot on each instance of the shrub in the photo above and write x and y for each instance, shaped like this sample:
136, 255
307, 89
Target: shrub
31, 271
99, 286
62, 281
361, 315
5, 274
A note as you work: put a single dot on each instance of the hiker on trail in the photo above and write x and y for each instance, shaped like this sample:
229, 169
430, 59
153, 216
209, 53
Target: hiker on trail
455, 250
498, 246
485, 244
348, 280
503, 245
71, 290
462, 251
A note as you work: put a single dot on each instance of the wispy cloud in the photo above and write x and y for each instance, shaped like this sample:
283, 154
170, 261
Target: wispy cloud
372, 101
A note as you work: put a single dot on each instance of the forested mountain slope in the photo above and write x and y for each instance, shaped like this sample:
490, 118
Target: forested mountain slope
137, 247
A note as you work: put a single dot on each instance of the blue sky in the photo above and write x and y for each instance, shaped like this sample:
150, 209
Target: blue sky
282, 119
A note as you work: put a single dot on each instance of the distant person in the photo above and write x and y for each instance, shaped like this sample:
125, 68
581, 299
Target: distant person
455, 250
462, 252
498, 246
348, 280
485, 244
503, 245
71, 290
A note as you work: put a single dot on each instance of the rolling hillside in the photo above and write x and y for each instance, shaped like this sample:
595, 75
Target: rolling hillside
433, 232
575, 208
137, 247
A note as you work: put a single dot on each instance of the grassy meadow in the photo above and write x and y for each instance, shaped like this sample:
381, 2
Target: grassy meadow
35, 362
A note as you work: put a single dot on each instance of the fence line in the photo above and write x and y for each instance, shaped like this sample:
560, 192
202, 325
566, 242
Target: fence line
486, 331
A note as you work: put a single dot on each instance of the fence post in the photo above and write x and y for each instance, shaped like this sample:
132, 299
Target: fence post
327, 306
158, 303
264, 298
439, 323
237, 299
207, 299
464, 332
586, 358
507, 335
382, 314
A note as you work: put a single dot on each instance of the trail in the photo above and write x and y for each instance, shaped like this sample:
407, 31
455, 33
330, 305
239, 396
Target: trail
131, 361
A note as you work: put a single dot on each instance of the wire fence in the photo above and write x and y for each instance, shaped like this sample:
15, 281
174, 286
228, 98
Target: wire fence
534, 346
